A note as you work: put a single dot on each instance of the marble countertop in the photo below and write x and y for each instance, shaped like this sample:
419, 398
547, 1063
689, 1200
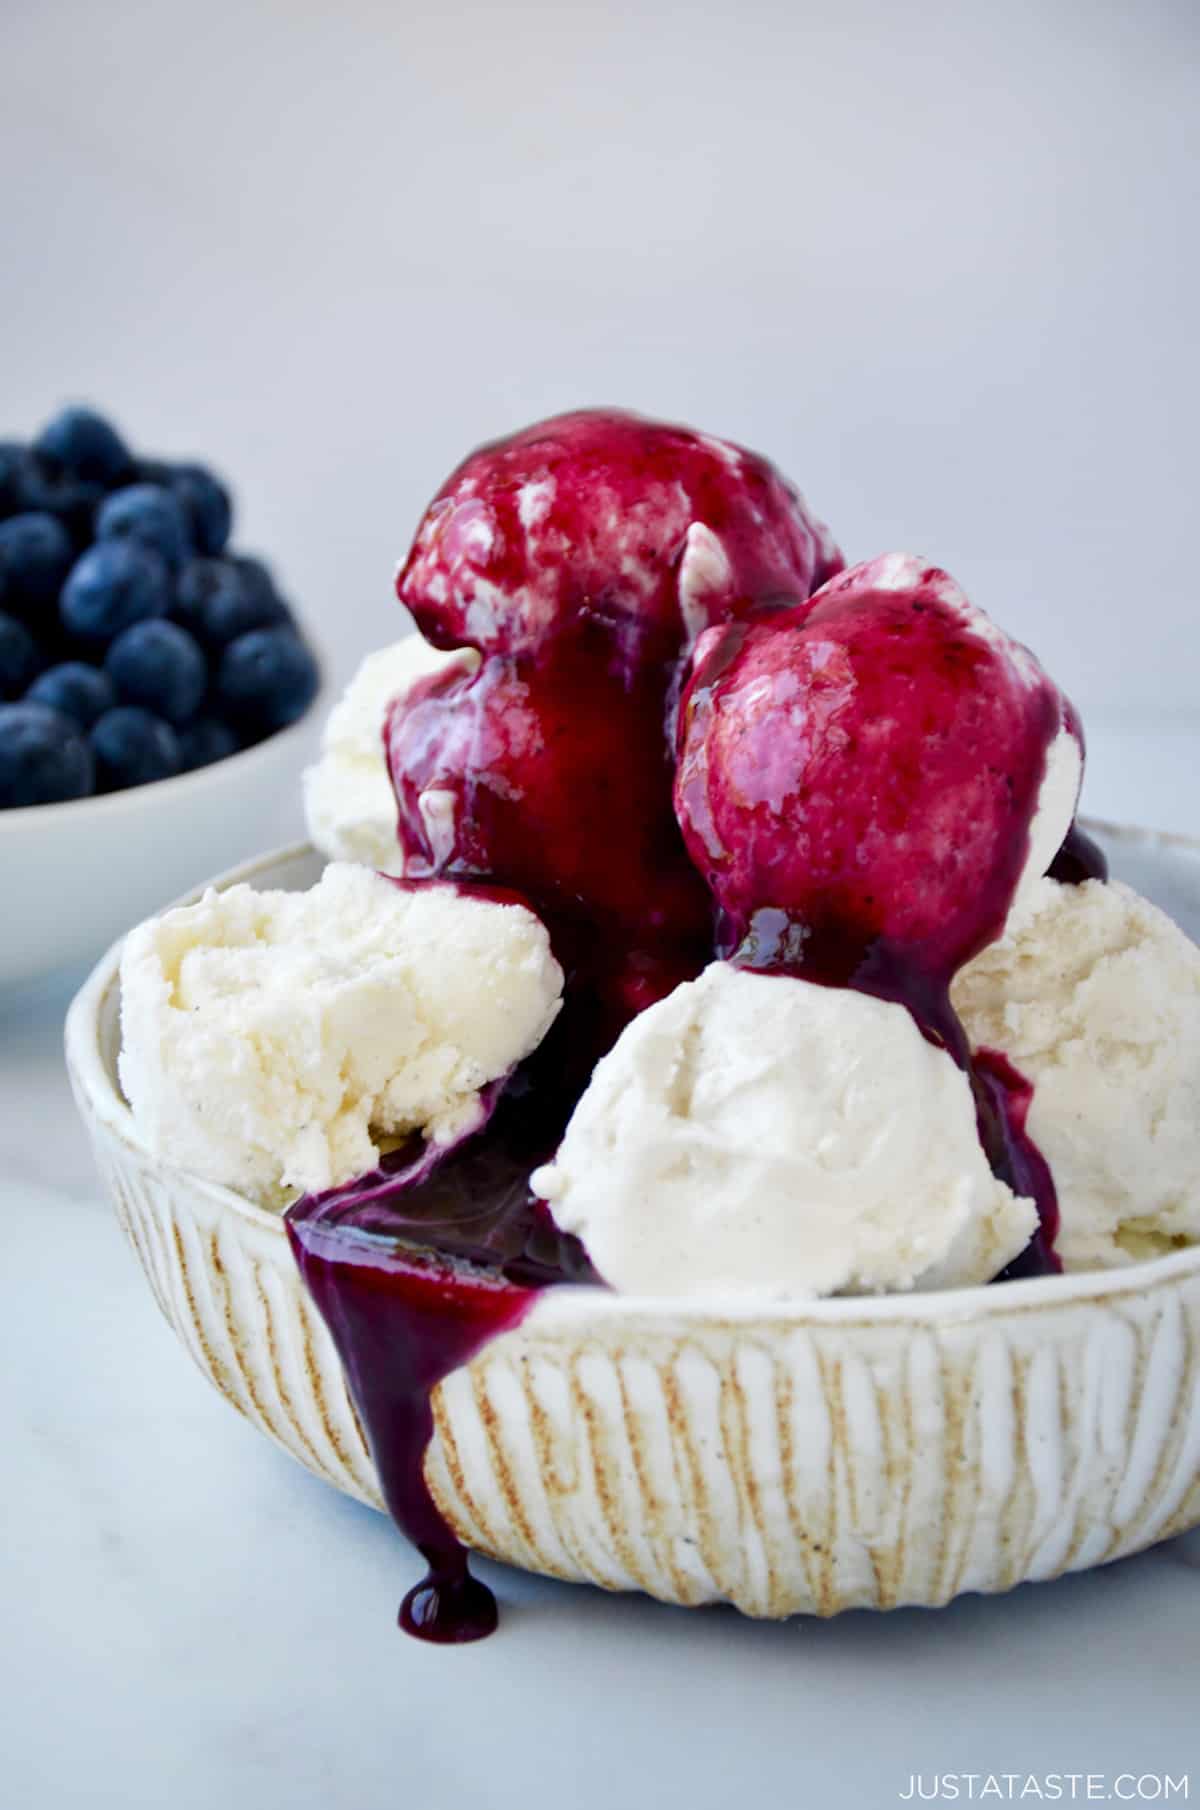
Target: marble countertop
191, 1620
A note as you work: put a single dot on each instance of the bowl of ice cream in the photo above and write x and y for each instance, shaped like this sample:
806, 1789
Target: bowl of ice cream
804, 1456
706, 1120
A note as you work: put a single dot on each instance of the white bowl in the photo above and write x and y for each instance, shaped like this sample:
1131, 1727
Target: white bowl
785, 1458
77, 874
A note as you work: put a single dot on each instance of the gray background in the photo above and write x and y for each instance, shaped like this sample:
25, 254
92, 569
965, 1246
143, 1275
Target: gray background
938, 260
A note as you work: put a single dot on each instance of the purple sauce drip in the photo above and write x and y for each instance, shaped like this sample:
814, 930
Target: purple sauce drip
1079, 859
418, 1266
1004, 1097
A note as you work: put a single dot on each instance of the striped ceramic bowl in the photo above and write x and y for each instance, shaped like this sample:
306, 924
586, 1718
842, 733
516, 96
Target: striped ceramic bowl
788, 1459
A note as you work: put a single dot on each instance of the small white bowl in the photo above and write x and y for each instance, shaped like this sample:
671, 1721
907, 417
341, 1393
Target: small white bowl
77, 874
795, 1458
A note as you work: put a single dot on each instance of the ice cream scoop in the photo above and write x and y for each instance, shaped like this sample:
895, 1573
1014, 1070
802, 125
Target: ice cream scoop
1095, 995
755, 1132
653, 528
271, 1039
864, 779
583, 557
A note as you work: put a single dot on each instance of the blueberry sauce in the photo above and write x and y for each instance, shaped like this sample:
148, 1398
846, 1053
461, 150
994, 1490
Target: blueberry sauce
581, 558
1007, 1097
1079, 859
654, 529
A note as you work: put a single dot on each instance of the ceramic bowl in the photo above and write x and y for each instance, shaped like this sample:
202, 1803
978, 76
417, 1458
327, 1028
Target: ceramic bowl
77, 874
808, 1458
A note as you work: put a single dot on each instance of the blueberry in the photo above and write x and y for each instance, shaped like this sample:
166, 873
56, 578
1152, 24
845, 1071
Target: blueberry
256, 579
112, 586
266, 679
192, 587
19, 659
159, 666
132, 748
216, 601
206, 504
206, 739
43, 757
150, 516
35, 557
78, 691
73, 500
83, 443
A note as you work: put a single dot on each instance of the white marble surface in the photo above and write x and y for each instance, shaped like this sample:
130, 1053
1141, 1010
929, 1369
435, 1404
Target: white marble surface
190, 1620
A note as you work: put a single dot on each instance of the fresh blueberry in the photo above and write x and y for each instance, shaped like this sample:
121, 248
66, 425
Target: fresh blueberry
200, 581
191, 593
233, 613
19, 660
206, 504
112, 586
35, 557
132, 748
256, 579
206, 739
78, 691
43, 757
150, 516
217, 602
266, 680
73, 500
84, 444
157, 665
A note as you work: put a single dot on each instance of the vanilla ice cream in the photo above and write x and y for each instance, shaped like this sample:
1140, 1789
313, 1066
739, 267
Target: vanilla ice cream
1058, 798
758, 1132
270, 1039
1094, 995
348, 800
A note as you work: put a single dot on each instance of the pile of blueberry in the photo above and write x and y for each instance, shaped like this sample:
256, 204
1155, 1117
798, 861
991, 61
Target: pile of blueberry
133, 644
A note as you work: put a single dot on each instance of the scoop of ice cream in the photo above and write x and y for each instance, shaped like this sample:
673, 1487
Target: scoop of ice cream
348, 799
872, 772
654, 528
760, 1132
270, 1039
1094, 995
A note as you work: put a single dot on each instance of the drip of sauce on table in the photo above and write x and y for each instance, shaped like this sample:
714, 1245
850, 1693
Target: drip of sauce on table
418, 1266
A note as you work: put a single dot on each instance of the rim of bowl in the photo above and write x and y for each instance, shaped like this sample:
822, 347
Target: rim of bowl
111, 803
96, 1084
